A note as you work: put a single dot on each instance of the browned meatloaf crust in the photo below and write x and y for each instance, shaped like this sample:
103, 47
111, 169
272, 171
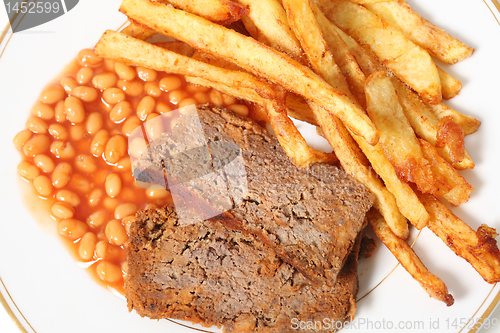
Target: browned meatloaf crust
310, 217
208, 274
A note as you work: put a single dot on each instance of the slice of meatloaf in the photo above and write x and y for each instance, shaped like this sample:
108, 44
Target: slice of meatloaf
310, 217
208, 274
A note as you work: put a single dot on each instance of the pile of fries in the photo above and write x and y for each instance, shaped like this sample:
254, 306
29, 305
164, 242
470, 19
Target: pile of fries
362, 71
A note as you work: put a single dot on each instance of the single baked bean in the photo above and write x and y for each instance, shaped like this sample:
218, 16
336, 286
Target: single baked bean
43, 185
137, 147
27, 170
72, 228
59, 114
157, 193
177, 96
104, 81
94, 197
110, 203
68, 84
79, 183
43, 111
216, 97
148, 206
113, 95
228, 100
69, 197
87, 58
128, 220
115, 149
123, 164
21, 138
61, 175
62, 150
130, 125
58, 132
193, 88
85, 164
162, 108
130, 88
146, 74
77, 132
153, 126
152, 89
86, 94
169, 83
62, 210
106, 251
188, 101
124, 268
115, 233
113, 185
109, 64
240, 109
202, 98
45, 163
98, 143
52, 94
125, 209
86, 246
108, 272
84, 75
97, 218
74, 110
37, 144
124, 71
146, 106
120, 112
94, 123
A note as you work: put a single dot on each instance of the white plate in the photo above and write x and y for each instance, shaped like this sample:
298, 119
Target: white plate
46, 291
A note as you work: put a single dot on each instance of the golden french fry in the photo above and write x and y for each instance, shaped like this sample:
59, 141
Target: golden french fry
343, 58
479, 247
290, 138
267, 23
408, 61
456, 190
119, 47
177, 47
469, 124
397, 138
219, 11
138, 31
427, 126
432, 284
252, 56
310, 36
450, 87
422, 32
357, 166
364, 2
298, 109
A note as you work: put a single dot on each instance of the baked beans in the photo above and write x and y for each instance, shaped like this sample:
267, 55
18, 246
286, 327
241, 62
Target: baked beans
76, 152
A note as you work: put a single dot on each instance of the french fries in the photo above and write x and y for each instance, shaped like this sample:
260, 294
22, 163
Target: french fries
469, 124
219, 11
432, 284
479, 247
253, 57
397, 138
408, 61
420, 31
450, 87
138, 31
456, 190
267, 23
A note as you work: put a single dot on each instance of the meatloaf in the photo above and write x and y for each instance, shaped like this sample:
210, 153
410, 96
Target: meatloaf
208, 274
309, 217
